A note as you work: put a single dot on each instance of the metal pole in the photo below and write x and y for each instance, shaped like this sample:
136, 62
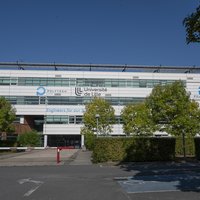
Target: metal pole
97, 121
97, 126
58, 155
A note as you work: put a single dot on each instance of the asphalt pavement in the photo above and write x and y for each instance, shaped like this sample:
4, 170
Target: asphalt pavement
77, 178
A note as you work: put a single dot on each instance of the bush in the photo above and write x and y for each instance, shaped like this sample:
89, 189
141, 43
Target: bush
29, 139
108, 149
90, 140
197, 147
134, 149
150, 149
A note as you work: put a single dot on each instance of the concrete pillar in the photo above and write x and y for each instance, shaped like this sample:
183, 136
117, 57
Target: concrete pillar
82, 141
45, 140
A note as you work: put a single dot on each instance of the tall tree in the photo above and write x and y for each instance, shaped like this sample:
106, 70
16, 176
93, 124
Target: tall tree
7, 116
173, 111
192, 25
99, 113
137, 120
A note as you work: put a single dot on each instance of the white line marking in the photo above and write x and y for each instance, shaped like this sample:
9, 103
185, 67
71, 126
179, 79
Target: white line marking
31, 191
28, 180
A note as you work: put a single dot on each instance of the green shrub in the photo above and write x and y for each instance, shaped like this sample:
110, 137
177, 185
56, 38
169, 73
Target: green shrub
134, 149
108, 149
89, 140
197, 147
150, 149
189, 146
29, 139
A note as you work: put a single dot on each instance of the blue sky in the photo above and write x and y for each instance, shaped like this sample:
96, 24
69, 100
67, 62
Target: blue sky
137, 32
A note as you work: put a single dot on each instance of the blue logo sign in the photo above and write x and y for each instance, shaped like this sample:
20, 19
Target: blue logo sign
199, 91
40, 91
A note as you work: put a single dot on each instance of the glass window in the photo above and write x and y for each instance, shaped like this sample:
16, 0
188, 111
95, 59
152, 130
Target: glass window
4, 80
122, 83
72, 81
79, 119
71, 119
142, 83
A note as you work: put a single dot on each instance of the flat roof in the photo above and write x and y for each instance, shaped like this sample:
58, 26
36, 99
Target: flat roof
98, 67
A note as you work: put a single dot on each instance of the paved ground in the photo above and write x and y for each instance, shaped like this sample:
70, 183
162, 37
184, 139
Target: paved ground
36, 157
77, 178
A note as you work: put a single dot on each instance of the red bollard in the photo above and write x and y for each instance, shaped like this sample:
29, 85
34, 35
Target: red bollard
58, 155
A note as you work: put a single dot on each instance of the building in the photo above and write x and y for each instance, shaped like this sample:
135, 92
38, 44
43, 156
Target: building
51, 97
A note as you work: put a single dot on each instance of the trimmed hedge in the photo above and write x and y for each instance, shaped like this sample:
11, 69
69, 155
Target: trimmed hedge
134, 149
197, 147
189, 146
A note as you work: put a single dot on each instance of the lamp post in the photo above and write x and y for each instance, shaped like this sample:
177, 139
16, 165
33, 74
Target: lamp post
97, 121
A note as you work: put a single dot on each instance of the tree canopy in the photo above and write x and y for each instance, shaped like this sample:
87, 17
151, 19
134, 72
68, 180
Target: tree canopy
192, 25
7, 116
106, 116
137, 120
168, 108
173, 111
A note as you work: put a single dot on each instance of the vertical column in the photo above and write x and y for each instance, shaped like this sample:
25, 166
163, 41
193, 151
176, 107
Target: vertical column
45, 140
82, 141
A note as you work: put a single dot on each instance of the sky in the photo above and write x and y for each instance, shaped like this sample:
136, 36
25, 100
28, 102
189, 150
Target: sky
132, 32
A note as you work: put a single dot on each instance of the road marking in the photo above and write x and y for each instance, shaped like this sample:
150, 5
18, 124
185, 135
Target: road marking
160, 183
34, 188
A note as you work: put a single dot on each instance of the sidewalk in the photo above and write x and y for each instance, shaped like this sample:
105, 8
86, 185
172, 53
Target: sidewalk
36, 157
82, 157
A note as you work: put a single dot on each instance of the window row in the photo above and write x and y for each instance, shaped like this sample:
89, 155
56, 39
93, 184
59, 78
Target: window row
68, 119
83, 82
63, 119
54, 100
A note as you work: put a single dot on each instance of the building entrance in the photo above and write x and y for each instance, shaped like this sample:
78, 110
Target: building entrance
64, 141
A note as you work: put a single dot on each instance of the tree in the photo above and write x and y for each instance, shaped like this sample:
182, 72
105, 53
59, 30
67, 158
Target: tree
137, 120
192, 25
7, 116
173, 111
106, 117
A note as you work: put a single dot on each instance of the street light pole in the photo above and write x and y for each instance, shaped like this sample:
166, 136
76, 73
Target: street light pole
97, 121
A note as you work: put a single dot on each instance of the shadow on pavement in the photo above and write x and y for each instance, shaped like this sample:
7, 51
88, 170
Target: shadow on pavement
184, 176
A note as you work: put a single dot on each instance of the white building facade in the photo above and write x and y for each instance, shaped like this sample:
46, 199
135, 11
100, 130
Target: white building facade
51, 98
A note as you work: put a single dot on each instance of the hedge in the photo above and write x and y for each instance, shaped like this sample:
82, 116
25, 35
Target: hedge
197, 147
189, 146
133, 149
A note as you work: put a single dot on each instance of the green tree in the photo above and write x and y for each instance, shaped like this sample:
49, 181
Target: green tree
106, 117
7, 116
137, 120
173, 111
192, 25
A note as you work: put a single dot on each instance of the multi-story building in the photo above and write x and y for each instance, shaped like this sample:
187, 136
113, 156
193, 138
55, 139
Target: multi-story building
51, 98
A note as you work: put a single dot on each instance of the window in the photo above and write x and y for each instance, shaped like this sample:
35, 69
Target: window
57, 119
142, 83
